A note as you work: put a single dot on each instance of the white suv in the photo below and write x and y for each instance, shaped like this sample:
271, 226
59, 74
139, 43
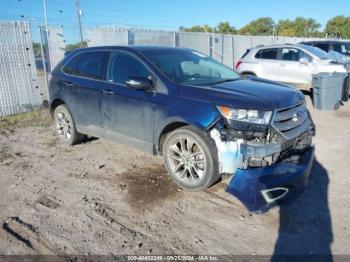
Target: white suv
288, 64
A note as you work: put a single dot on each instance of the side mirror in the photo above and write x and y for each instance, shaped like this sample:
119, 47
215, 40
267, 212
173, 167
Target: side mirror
304, 61
140, 83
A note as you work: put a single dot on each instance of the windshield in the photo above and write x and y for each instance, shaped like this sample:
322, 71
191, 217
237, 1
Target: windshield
189, 67
316, 52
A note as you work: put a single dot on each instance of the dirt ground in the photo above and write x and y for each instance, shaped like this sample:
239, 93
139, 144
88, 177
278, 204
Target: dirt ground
101, 197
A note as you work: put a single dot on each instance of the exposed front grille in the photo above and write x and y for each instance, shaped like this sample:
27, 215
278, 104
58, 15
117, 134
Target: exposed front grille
292, 121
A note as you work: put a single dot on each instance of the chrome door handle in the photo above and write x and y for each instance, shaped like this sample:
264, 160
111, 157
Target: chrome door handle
108, 91
68, 84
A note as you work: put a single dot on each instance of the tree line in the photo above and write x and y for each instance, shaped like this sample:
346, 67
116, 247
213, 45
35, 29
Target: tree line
338, 26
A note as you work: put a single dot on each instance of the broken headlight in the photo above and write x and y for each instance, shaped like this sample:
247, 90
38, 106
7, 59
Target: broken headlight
246, 115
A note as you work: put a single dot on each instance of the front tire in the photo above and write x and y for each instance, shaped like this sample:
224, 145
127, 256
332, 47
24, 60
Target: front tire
190, 157
65, 127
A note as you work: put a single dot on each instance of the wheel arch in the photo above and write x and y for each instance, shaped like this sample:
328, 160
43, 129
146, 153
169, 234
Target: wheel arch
55, 103
248, 73
168, 129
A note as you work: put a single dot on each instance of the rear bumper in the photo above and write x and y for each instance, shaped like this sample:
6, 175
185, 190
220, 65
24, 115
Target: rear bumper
260, 188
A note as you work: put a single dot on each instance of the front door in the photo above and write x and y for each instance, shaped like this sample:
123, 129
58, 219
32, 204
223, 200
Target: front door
291, 70
127, 112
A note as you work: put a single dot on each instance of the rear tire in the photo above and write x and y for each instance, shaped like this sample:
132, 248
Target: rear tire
65, 126
247, 75
190, 156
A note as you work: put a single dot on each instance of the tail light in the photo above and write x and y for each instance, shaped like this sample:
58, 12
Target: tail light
238, 64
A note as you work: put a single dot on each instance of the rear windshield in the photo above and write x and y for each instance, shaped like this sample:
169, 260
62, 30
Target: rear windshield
245, 54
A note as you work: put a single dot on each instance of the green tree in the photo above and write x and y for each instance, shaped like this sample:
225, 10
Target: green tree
197, 28
339, 26
286, 28
36, 49
222, 28
70, 47
260, 26
299, 27
226, 28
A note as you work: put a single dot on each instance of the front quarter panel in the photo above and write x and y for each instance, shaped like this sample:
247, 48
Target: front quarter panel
177, 109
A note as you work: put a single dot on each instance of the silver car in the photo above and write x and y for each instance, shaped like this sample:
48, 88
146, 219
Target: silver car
288, 64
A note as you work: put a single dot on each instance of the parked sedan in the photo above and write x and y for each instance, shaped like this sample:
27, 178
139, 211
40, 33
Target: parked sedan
204, 118
289, 64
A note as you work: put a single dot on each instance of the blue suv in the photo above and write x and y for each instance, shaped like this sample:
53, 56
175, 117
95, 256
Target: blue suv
204, 118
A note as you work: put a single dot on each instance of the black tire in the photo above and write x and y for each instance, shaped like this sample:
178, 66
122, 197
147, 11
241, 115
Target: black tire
203, 147
346, 90
248, 75
65, 126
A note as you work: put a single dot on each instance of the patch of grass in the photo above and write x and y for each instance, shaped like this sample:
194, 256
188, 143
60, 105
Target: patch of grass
32, 119
4, 152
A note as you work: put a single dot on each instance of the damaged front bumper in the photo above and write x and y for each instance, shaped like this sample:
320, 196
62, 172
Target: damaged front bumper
270, 164
260, 188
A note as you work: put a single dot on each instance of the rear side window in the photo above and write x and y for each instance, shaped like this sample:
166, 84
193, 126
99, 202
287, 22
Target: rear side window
267, 54
323, 46
88, 64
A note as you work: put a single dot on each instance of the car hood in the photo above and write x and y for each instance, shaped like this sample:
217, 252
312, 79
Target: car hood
253, 93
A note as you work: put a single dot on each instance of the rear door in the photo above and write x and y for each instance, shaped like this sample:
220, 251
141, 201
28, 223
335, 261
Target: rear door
268, 64
291, 71
82, 88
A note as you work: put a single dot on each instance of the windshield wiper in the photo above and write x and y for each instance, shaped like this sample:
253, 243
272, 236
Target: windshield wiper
223, 81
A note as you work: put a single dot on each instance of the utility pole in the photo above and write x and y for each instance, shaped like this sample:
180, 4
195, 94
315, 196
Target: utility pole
77, 3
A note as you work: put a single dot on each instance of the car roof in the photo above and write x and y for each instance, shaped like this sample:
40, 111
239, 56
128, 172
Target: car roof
325, 41
129, 48
300, 45
276, 46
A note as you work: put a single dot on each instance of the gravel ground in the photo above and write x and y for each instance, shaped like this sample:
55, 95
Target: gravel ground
102, 197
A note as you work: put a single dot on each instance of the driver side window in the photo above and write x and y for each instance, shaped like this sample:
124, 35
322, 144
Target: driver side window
293, 54
123, 66
192, 69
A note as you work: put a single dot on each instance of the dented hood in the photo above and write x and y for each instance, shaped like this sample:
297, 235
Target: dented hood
251, 93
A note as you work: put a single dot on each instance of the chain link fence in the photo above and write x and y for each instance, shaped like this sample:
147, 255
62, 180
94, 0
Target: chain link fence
106, 36
224, 48
19, 91
19, 83
54, 45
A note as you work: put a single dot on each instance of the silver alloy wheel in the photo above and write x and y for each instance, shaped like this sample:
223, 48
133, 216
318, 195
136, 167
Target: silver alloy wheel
63, 125
186, 160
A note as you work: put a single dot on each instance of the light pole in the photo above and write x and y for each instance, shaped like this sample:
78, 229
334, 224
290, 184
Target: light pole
79, 20
47, 33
